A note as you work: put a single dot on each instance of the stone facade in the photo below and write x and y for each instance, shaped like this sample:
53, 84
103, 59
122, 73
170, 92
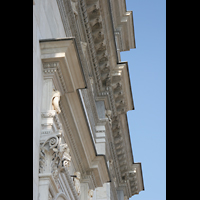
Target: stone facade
81, 94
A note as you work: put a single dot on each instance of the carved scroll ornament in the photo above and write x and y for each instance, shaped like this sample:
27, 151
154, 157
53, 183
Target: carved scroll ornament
54, 156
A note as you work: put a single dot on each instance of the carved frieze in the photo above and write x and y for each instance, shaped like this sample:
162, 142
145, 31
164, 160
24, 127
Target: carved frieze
131, 177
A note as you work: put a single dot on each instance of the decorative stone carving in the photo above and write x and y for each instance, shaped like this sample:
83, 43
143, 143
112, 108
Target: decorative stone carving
55, 101
93, 9
90, 194
54, 156
96, 23
98, 36
77, 182
121, 157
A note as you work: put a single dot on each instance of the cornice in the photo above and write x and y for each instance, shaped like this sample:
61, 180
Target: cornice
56, 55
111, 79
123, 24
81, 142
104, 74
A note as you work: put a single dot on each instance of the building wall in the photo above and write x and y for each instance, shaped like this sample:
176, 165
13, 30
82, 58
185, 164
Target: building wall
46, 24
59, 19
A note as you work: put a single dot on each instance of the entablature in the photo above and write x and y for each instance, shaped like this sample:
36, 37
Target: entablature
61, 64
111, 79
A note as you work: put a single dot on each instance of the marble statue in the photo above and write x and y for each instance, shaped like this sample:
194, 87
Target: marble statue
55, 101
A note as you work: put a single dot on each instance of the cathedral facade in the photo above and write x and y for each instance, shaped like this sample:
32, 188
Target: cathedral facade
81, 95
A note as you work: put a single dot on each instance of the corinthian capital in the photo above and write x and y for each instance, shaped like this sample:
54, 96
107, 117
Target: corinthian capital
54, 156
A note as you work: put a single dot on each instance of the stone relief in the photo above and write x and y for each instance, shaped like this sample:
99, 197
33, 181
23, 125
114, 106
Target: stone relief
54, 156
55, 101
77, 182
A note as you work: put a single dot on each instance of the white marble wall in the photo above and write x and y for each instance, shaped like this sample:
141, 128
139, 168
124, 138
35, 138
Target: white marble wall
46, 24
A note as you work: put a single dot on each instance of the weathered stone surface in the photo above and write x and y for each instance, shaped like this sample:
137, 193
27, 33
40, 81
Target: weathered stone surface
81, 94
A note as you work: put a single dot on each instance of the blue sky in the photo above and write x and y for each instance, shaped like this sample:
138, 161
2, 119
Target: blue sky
147, 68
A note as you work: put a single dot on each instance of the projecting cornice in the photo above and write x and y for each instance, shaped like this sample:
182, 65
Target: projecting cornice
61, 55
105, 22
61, 64
123, 25
112, 78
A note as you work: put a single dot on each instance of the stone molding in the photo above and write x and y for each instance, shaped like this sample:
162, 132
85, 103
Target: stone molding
73, 144
111, 84
123, 25
62, 54
67, 177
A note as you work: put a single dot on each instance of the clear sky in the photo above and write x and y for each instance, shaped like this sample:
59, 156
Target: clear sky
147, 69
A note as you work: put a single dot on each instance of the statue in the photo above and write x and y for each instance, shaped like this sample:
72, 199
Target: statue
90, 194
77, 182
55, 101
